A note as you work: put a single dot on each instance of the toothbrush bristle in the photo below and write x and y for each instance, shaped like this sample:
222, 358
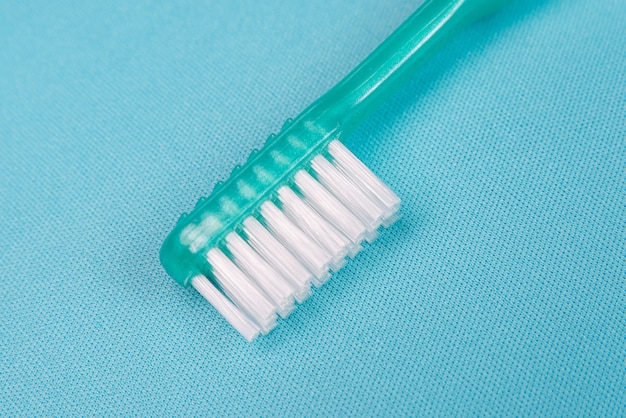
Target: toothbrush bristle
315, 226
279, 257
248, 329
363, 177
276, 287
302, 233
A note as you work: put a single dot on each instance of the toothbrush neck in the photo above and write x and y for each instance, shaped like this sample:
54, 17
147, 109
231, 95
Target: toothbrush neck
394, 62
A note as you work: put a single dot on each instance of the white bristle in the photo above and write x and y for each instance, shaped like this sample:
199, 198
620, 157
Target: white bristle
331, 208
225, 307
363, 177
269, 280
314, 257
316, 226
355, 199
279, 257
241, 290
319, 223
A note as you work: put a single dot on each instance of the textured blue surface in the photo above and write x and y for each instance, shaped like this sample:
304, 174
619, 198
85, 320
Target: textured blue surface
502, 291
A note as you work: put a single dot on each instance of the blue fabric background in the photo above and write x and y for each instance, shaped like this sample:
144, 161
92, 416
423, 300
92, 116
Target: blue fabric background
502, 291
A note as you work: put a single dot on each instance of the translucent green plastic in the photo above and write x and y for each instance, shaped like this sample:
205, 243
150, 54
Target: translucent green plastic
335, 115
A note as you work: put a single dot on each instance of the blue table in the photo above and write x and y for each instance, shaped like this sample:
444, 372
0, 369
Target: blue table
502, 291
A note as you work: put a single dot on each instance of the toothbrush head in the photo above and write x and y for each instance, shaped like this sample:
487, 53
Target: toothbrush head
294, 213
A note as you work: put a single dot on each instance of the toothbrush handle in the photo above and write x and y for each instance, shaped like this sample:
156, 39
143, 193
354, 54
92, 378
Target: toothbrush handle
396, 60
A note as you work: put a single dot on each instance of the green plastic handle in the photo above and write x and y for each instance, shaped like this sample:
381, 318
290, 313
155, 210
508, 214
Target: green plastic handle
335, 115
396, 60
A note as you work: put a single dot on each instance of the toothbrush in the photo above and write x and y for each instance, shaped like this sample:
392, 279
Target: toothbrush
303, 204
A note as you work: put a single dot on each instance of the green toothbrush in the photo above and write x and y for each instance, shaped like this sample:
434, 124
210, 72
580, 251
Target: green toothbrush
304, 203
